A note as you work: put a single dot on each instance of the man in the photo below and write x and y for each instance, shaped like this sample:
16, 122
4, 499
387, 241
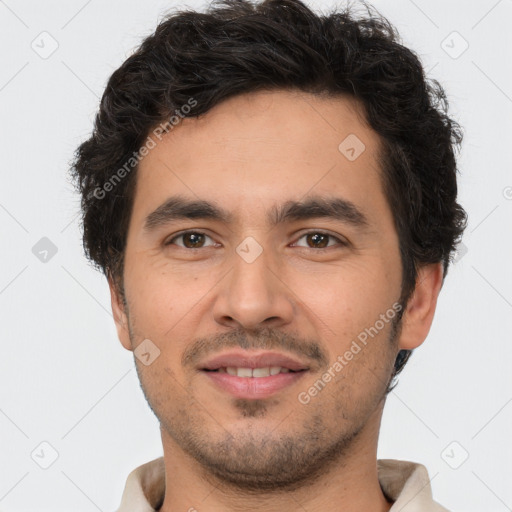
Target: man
272, 196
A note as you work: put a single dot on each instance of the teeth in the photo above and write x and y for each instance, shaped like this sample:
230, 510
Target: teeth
256, 372
261, 372
244, 372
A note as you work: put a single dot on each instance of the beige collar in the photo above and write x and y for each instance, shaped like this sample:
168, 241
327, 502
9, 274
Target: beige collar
405, 483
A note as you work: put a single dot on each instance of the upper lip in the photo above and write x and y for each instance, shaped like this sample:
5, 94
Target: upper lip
244, 359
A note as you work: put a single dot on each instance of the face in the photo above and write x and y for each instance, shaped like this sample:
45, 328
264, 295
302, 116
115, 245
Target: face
251, 300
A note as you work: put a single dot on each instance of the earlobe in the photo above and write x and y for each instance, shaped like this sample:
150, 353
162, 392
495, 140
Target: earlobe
120, 316
420, 309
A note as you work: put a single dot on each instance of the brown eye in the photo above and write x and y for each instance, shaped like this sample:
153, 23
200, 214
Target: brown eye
190, 240
320, 240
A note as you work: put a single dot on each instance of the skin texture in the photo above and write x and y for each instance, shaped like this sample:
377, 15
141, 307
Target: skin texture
248, 154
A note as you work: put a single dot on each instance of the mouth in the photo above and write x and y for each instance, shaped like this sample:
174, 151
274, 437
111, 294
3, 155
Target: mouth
258, 373
249, 375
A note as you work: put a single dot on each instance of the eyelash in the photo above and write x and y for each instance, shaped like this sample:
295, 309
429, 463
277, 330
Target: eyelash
312, 232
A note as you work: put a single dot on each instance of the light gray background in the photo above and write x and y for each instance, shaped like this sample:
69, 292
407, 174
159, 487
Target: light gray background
66, 380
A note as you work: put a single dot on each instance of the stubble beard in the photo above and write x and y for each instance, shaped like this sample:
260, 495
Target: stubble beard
255, 461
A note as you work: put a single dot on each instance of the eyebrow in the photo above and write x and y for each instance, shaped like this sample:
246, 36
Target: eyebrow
336, 208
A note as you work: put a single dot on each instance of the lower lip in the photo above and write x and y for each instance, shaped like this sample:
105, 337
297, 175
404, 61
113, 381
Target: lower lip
253, 387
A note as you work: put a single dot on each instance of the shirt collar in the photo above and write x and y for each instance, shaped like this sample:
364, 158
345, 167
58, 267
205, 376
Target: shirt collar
405, 483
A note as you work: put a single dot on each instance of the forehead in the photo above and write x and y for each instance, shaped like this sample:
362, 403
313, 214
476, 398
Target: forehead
262, 149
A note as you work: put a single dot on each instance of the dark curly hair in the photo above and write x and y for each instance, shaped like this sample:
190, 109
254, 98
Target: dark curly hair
238, 47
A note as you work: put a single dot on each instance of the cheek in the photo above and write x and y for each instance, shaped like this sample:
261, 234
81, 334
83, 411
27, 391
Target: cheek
165, 304
152, 300
160, 384
151, 280
349, 298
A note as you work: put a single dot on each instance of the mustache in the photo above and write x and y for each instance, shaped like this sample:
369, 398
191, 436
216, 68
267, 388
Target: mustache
264, 338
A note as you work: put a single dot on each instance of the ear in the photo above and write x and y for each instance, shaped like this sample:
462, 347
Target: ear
120, 316
419, 312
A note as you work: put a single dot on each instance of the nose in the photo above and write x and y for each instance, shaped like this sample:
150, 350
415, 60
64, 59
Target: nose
252, 295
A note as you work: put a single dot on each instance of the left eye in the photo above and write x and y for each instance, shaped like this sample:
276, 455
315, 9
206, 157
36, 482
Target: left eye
319, 239
191, 240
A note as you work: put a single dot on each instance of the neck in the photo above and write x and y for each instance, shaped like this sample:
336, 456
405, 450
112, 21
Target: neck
350, 484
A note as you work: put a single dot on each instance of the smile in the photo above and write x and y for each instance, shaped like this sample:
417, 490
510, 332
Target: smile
253, 372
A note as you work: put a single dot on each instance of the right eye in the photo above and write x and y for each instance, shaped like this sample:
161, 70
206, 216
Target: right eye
190, 240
